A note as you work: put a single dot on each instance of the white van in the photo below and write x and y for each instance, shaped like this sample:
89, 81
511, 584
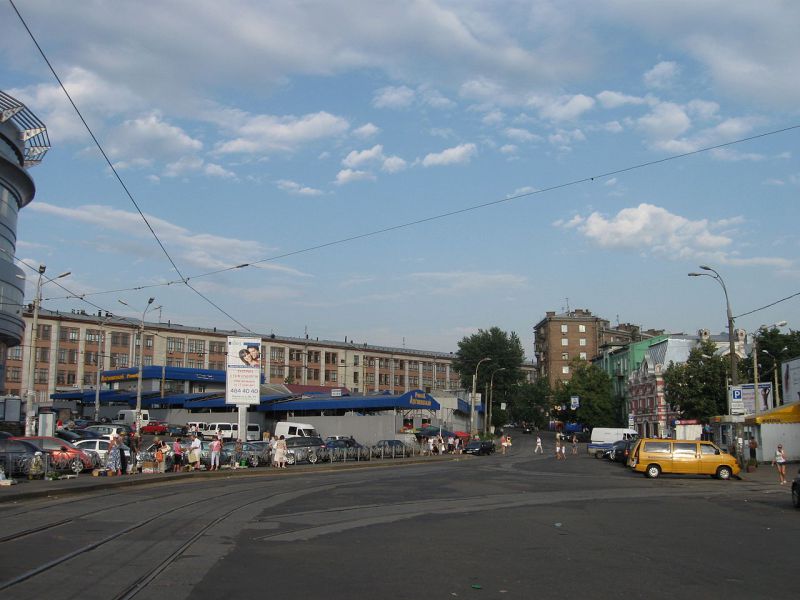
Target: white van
227, 431
253, 432
604, 437
128, 417
291, 429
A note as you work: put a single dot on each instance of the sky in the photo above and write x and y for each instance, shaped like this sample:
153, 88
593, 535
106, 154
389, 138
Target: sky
407, 173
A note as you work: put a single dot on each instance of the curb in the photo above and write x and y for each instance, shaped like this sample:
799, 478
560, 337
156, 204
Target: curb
80, 486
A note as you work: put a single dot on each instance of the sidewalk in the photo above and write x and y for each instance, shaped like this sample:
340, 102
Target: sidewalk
25, 489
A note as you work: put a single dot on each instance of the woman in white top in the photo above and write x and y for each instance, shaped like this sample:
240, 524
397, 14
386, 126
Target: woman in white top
780, 462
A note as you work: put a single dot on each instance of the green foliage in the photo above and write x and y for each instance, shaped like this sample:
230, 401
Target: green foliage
598, 407
505, 351
779, 348
528, 402
698, 387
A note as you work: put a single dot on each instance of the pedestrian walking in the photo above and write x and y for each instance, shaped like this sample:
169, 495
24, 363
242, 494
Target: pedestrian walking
161, 456
563, 451
216, 448
574, 444
539, 448
780, 462
177, 455
503, 443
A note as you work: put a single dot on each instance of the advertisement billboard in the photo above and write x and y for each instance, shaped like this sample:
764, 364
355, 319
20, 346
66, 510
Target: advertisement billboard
243, 371
790, 377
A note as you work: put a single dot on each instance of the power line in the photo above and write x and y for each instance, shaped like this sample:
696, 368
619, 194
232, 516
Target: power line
114, 170
574, 182
771, 304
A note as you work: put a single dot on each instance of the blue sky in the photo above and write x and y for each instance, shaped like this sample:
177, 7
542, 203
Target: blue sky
250, 130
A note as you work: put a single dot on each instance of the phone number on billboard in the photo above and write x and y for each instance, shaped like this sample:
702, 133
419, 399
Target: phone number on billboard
244, 390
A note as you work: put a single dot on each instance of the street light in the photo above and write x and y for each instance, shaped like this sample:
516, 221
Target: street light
30, 410
101, 339
141, 361
754, 352
488, 418
732, 350
473, 429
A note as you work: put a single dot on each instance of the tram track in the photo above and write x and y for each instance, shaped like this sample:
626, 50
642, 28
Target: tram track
196, 504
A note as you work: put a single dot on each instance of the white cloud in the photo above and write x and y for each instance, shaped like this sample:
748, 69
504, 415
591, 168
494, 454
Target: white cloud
215, 170
610, 99
456, 155
356, 159
508, 149
349, 176
702, 109
295, 188
268, 133
665, 122
393, 97
612, 127
662, 75
493, 117
522, 191
454, 282
610, 182
653, 229
520, 135
366, 131
563, 139
393, 164
435, 99
563, 108
198, 250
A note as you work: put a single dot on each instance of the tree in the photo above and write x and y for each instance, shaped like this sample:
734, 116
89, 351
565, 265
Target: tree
529, 402
698, 387
779, 347
593, 386
504, 350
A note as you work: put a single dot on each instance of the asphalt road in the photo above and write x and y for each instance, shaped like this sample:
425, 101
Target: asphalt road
516, 526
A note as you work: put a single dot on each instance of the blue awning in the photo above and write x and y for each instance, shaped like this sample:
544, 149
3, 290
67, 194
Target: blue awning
409, 400
218, 401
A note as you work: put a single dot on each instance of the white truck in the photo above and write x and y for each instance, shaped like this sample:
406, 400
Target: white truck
603, 437
128, 417
289, 429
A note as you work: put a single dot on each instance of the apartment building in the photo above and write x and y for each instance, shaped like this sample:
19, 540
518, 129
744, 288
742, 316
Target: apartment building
576, 334
72, 347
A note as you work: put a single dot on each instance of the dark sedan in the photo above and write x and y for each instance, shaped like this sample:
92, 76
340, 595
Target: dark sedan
796, 490
620, 450
479, 447
390, 449
300, 449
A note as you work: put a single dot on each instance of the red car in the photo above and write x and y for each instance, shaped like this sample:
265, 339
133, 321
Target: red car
64, 454
155, 428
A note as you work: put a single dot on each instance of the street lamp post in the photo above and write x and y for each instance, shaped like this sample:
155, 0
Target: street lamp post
101, 343
31, 409
731, 342
473, 427
488, 419
141, 361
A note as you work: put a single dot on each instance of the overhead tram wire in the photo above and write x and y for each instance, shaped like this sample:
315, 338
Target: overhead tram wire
770, 305
184, 280
587, 179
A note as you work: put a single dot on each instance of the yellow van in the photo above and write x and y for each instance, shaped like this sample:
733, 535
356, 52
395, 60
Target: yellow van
694, 457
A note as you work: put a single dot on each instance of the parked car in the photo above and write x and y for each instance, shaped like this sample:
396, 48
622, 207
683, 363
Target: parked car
109, 430
390, 449
252, 454
796, 490
73, 435
155, 428
63, 454
619, 451
346, 449
99, 446
84, 423
479, 447
177, 430
264, 451
305, 449
16, 456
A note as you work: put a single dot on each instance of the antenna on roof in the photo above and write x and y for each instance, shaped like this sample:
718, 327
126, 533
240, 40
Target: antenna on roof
567, 301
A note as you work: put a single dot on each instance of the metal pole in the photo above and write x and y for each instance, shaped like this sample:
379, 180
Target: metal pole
491, 399
30, 409
472, 423
756, 399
